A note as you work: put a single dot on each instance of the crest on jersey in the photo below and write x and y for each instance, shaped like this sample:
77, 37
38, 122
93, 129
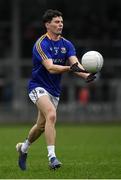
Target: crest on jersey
63, 50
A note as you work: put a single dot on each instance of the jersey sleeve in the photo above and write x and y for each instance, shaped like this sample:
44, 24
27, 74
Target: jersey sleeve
40, 50
71, 49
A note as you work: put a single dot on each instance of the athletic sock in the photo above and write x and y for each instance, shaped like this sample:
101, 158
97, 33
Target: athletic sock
25, 146
51, 151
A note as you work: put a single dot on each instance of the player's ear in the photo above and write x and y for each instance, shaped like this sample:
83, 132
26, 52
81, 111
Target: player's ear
47, 24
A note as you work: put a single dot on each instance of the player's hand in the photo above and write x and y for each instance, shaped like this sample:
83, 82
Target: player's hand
76, 68
91, 77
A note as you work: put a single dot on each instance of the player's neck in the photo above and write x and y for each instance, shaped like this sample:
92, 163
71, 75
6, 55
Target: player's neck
53, 37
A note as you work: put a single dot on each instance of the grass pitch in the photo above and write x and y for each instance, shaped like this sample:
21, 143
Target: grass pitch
86, 151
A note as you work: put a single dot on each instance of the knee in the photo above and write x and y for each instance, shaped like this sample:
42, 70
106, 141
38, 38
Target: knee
40, 127
51, 116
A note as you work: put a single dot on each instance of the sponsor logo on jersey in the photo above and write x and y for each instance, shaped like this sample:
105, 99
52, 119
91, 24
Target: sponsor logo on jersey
58, 60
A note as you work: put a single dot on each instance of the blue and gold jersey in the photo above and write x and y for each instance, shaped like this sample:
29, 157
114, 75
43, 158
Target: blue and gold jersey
45, 48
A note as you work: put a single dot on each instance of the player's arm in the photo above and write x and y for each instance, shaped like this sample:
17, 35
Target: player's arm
87, 76
41, 51
53, 68
73, 60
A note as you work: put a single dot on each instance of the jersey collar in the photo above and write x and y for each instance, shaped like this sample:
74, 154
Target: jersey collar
50, 37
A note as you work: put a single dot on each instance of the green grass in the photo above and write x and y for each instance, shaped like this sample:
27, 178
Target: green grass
86, 151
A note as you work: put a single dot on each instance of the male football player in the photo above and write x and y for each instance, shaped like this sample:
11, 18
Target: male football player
50, 54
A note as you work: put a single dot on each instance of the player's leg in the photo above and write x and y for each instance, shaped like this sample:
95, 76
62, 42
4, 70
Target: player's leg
34, 134
48, 109
37, 129
48, 114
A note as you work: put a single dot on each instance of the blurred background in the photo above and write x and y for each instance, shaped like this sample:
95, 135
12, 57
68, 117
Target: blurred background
90, 25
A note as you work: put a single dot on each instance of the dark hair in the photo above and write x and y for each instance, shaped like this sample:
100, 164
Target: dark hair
50, 14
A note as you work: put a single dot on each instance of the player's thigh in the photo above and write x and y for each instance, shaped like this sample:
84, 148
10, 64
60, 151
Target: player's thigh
45, 106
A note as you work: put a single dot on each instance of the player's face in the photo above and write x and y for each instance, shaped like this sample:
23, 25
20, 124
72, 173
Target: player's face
56, 25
